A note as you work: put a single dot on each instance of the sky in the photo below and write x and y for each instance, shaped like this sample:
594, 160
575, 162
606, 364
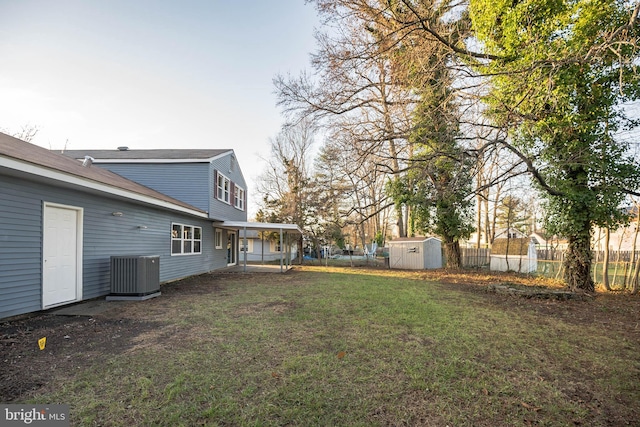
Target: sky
99, 74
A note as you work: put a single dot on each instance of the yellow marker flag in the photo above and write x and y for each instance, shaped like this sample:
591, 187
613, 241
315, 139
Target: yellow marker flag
42, 342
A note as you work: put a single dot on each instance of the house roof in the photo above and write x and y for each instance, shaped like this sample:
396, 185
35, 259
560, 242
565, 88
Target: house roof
412, 239
123, 154
24, 157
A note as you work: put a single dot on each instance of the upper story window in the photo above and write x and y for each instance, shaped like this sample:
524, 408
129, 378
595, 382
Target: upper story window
223, 188
239, 198
186, 239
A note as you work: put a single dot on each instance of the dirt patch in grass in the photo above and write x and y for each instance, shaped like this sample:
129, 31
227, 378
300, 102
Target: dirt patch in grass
76, 342
618, 312
257, 308
71, 344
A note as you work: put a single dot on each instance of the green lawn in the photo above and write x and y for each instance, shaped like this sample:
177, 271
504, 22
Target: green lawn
339, 347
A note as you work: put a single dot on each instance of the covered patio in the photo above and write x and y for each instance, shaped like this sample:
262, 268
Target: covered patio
287, 234
255, 268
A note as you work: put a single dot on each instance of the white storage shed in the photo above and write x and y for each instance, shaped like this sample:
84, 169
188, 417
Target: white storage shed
519, 255
415, 253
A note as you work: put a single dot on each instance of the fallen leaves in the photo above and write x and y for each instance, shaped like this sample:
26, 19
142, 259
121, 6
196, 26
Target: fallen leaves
530, 407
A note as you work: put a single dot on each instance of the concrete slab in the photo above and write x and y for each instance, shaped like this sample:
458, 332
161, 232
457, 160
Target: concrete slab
133, 298
255, 268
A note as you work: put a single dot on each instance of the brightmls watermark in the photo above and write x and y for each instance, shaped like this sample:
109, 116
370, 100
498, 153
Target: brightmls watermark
34, 415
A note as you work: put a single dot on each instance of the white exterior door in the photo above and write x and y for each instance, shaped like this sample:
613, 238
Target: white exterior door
62, 255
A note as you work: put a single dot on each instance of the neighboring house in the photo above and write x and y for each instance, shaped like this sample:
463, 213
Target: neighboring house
500, 233
259, 249
540, 240
508, 233
625, 238
63, 219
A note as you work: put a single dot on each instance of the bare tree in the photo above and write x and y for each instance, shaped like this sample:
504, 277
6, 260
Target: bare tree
286, 185
354, 93
26, 133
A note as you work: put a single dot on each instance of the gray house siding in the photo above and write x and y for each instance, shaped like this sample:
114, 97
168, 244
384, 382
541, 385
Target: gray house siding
188, 182
193, 183
219, 209
21, 210
20, 249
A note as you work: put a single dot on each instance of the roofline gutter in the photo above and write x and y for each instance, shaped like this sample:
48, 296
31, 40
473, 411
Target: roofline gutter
151, 160
258, 226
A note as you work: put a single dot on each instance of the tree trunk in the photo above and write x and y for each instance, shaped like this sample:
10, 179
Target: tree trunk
487, 225
401, 229
577, 262
635, 234
605, 260
634, 279
598, 248
634, 255
479, 221
615, 270
452, 254
300, 249
495, 214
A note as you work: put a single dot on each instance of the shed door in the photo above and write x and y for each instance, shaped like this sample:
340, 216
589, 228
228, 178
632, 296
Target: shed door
396, 259
61, 255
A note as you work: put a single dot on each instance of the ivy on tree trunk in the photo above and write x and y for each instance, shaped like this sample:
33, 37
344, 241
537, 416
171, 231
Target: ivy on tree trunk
560, 72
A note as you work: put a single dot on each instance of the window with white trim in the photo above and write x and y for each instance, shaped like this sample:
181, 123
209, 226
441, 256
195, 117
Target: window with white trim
248, 247
218, 238
185, 239
239, 198
223, 188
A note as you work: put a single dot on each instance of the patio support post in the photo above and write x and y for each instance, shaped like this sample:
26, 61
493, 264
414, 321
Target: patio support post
245, 248
288, 253
289, 248
281, 253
